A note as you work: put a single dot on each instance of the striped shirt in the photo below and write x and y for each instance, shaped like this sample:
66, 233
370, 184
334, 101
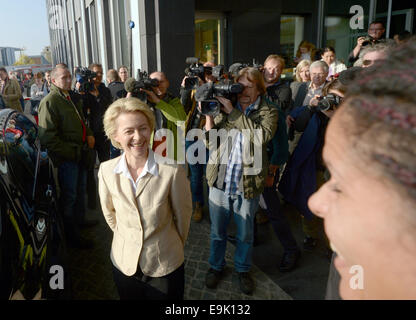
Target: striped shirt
234, 169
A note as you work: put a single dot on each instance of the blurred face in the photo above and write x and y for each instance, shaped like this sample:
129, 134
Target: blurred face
304, 50
208, 74
304, 74
62, 79
48, 77
38, 81
376, 30
99, 78
123, 74
3, 75
365, 221
163, 86
272, 71
250, 92
318, 76
133, 134
371, 57
329, 57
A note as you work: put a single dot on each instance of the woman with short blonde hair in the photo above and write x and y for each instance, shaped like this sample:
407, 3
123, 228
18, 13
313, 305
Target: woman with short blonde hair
302, 71
147, 205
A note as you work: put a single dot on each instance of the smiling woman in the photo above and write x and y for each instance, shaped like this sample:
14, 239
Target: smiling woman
369, 203
147, 205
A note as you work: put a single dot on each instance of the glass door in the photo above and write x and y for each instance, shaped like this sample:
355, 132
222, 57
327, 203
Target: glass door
209, 37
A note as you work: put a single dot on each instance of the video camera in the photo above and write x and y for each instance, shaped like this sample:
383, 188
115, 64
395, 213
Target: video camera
207, 93
236, 67
328, 102
84, 76
142, 81
194, 71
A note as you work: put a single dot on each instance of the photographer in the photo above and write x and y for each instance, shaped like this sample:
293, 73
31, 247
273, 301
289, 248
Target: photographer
305, 170
375, 33
195, 120
235, 187
168, 111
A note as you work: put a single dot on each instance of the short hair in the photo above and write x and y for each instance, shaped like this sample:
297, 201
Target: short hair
112, 75
379, 47
125, 105
277, 58
3, 69
95, 65
122, 67
334, 85
56, 69
253, 75
39, 75
378, 22
319, 64
61, 64
300, 66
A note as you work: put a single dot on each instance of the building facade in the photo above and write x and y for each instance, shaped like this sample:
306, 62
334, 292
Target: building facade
7, 56
166, 32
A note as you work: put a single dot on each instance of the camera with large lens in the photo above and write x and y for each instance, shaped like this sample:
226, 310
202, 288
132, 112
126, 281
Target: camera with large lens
142, 81
85, 77
328, 102
193, 72
236, 67
207, 93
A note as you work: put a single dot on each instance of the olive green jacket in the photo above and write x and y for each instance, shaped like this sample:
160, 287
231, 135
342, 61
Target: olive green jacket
12, 95
60, 128
263, 118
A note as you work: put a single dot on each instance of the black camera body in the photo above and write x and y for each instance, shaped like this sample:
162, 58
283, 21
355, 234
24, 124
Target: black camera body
328, 102
207, 93
85, 77
368, 40
193, 72
236, 67
142, 82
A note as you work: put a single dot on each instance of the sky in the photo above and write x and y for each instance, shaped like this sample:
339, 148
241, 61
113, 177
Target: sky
24, 23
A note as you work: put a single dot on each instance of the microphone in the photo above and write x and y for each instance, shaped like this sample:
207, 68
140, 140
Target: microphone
129, 85
192, 60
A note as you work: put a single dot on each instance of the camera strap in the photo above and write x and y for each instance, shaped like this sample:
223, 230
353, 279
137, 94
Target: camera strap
84, 129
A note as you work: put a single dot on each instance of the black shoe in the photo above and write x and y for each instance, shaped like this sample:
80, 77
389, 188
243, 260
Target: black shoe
289, 261
212, 278
88, 223
246, 282
309, 243
81, 243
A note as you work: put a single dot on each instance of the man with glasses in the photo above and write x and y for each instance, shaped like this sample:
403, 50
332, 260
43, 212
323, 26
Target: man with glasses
375, 33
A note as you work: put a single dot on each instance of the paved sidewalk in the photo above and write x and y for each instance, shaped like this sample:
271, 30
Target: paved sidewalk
92, 277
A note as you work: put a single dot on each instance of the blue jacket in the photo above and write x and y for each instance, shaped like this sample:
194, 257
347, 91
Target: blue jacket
298, 182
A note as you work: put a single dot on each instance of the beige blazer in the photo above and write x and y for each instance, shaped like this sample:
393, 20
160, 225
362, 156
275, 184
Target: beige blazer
152, 231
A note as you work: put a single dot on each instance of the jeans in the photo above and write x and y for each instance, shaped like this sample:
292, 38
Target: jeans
221, 207
72, 177
278, 219
196, 177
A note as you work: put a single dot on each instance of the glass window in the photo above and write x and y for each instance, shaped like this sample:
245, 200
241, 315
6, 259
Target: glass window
291, 35
338, 36
209, 40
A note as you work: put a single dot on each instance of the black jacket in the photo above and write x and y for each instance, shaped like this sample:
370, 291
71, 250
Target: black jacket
117, 90
281, 94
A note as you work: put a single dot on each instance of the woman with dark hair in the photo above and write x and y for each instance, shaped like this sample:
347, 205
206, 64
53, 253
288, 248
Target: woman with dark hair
335, 66
368, 205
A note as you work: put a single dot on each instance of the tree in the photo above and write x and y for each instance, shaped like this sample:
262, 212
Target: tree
24, 60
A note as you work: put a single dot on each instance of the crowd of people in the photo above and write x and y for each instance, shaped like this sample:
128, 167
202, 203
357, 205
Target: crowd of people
356, 174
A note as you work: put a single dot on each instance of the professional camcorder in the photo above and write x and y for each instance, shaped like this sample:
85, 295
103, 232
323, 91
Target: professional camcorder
84, 76
142, 81
236, 67
194, 71
207, 92
328, 102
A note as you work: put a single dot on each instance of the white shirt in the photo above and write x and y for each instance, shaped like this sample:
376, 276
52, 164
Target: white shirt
150, 167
